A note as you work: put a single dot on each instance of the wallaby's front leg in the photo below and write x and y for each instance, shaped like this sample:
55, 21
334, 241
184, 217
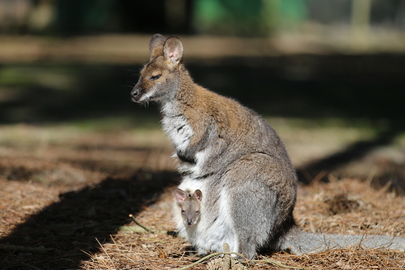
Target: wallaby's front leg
196, 140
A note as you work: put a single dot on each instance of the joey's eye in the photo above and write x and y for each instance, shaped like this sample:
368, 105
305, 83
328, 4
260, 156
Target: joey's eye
155, 77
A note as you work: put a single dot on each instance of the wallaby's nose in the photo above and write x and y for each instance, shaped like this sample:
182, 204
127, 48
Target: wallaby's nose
189, 222
135, 94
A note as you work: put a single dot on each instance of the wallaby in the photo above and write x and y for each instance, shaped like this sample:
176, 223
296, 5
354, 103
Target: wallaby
236, 159
187, 214
189, 204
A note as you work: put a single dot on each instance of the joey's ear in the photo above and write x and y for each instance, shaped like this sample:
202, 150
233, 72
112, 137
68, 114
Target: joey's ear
173, 50
180, 195
198, 194
156, 45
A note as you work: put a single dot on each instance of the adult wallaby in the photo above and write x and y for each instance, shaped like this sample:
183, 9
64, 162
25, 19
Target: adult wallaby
235, 158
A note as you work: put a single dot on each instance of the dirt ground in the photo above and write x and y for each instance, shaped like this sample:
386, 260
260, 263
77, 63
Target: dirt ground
66, 196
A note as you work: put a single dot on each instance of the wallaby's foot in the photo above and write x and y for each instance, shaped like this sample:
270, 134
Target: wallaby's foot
248, 250
201, 252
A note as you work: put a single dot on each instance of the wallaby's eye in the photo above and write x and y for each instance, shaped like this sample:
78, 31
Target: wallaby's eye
183, 211
197, 212
155, 77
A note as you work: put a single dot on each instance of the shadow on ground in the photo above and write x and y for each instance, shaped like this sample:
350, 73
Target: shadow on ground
319, 170
65, 233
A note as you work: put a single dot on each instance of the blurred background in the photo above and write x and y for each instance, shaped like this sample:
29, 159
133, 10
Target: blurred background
77, 156
329, 75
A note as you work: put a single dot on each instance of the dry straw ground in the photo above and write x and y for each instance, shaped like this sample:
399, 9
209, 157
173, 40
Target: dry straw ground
66, 196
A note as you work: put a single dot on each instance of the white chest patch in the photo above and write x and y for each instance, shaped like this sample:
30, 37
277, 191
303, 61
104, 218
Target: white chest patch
176, 127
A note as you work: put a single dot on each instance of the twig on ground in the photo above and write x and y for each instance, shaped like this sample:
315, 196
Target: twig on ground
140, 225
137, 229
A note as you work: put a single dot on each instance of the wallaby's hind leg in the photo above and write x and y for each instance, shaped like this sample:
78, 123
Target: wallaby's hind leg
252, 226
254, 185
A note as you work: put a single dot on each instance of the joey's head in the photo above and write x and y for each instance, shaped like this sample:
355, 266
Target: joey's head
159, 78
190, 204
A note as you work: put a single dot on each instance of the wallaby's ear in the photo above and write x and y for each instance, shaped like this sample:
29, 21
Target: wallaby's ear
156, 45
173, 50
180, 195
198, 194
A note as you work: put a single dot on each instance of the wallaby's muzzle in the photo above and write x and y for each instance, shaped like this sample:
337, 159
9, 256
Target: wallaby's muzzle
136, 93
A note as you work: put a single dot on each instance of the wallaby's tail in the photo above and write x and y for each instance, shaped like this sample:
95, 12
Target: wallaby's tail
299, 242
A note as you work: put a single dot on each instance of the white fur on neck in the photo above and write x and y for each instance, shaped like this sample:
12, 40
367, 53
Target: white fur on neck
176, 127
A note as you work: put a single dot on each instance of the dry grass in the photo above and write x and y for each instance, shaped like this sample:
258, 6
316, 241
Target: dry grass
65, 205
